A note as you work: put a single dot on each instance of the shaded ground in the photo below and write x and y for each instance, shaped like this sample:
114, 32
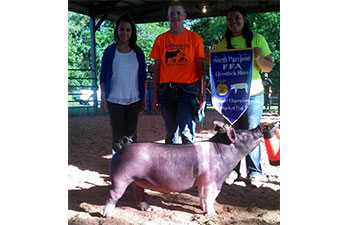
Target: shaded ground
89, 147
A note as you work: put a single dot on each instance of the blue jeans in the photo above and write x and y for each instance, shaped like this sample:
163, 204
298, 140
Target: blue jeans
177, 111
250, 120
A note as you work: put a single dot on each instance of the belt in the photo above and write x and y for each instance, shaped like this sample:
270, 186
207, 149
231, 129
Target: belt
176, 85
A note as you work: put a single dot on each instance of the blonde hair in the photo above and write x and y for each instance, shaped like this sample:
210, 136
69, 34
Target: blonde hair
176, 3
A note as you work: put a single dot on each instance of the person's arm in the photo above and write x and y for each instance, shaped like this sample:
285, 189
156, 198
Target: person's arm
142, 76
104, 106
201, 81
156, 78
144, 103
265, 63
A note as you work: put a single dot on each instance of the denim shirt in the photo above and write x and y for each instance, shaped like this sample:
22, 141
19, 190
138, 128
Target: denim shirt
106, 69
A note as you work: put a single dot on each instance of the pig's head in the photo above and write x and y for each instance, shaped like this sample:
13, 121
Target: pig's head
244, 140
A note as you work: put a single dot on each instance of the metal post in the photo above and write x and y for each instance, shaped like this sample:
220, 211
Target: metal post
279, 93
93, 61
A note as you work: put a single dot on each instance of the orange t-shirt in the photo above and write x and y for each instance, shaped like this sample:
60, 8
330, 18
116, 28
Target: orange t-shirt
177, 54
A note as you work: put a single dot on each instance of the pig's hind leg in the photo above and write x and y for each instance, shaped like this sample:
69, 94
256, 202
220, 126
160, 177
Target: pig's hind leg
116, 191
140, 197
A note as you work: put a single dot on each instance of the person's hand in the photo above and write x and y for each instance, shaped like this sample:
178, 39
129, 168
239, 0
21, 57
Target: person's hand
257, 52
104, 106
143, 105
155, 104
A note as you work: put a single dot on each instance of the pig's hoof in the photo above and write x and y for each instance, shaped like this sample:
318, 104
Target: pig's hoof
211, 213
108, 211
144, 207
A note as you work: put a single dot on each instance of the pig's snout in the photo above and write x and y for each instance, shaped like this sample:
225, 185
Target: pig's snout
261, 139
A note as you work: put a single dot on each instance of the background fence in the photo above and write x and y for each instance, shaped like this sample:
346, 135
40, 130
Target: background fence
84, 97
82, 94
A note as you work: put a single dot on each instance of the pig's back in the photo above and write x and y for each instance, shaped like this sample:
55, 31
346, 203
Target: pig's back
166, 168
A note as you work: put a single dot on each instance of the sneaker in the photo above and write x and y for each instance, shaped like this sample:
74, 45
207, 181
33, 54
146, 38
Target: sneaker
256, 180
231, 177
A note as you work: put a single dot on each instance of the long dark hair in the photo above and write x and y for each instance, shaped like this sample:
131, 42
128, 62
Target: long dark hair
133, 38
246, 32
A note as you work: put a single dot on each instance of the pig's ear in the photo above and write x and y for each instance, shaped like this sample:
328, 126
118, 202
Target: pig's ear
231, 133
218, 125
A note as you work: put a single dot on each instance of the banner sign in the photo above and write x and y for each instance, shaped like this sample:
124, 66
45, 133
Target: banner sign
230, 77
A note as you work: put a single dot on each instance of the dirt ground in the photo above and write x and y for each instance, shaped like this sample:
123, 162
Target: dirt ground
89, 146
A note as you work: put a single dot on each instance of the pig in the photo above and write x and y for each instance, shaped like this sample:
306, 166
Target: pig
174, 168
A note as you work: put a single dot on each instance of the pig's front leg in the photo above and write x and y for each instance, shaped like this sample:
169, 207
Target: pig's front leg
208, 194
140, 197
109, 207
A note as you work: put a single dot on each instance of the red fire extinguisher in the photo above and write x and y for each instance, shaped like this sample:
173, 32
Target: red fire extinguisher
272, 143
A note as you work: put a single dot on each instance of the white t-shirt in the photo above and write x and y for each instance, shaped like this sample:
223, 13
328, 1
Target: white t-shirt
124, 83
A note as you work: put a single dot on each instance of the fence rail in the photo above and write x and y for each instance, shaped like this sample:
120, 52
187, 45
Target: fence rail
80, 103
87, 105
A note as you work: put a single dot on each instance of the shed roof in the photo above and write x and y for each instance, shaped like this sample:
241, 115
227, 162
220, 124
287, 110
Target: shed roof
145, 11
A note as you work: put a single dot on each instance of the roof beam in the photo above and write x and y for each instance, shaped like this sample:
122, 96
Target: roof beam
144, 11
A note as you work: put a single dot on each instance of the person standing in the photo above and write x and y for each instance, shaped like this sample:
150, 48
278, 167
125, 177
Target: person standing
177, 73
267, 82
123, 82
238, 35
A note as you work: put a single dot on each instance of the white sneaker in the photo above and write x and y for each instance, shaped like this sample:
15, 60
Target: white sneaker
231, 177
256, 180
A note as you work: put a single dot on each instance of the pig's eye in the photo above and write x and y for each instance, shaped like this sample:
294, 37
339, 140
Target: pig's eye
245, 137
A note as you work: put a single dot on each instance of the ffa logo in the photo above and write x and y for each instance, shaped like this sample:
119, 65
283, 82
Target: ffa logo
221, 88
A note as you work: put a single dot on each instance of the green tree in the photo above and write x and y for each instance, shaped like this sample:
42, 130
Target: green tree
78, 52
79, 46
147, 34
211, 30
268, 24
